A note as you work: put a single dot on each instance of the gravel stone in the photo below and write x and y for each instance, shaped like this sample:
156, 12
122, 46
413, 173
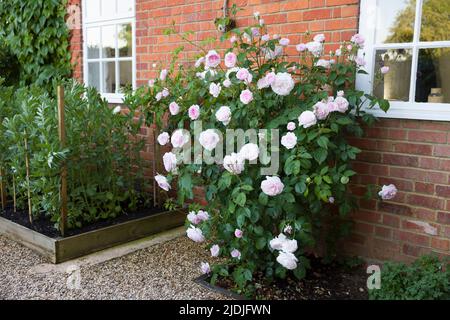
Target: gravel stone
163, 271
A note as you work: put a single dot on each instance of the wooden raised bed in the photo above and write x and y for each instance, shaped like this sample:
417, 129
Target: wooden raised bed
60, 249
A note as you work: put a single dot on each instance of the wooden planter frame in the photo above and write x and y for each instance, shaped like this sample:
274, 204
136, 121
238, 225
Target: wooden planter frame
60, 249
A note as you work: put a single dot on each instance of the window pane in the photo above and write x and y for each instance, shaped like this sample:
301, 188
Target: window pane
435, 20
109, 41
93, 43
109, 77
126, 73
433, 81
395, 85
94, 74
93, 9
395, 21
109, 8
124, 40
125, 6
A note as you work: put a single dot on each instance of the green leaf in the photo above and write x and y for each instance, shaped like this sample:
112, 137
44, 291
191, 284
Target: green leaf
263, 198
320, 155
323, 141
261, 243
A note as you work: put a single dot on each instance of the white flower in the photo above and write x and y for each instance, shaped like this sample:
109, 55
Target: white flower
340, 93
234, 163
319, 38
199, 62
230, 60
250, 152
246, 96
272, 186
224, 115
262, 83
323, 63
261, 22
321, 110
205, 268
288, 229
158, 96
277, 242
384, 69
165, 92
179, 138
358, 39
289, 246
291, 126
195, 234
151, 83
315, 48
212, 59
271, 54
236, 254
163, 138
209, 139
287, 260
203, 215
307, 119
256, 14
388, 192
284, 42
170, 161
227, 83
174, 108
242, 74
215, 249
163, 74
214, 89
117, 109
162, 182
342, 104
338, 52
265, 38
289, 140
193, 218
283, 84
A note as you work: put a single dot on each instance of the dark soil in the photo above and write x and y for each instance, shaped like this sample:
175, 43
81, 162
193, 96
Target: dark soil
322, 282
45, 226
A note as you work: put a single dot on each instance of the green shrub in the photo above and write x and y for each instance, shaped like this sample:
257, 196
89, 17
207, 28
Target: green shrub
426, 279
105, 175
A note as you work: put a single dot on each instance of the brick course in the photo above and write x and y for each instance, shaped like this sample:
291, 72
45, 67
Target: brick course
412, 154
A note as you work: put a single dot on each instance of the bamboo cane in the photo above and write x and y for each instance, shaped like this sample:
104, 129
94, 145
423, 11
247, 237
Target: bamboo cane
14, 194
27, 166
154, 162
2, 189
62, 139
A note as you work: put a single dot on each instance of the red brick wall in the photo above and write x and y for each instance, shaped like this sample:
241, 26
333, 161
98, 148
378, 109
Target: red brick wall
414, 155
76, 37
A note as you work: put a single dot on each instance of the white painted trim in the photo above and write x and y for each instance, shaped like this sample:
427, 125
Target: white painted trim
400, 110
101, 22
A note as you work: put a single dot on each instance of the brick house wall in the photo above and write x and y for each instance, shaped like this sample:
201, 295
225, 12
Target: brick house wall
412, 154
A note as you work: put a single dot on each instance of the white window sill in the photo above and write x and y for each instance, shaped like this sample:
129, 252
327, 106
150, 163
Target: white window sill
416, 111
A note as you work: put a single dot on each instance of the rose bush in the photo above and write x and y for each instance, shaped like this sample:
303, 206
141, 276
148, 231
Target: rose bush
264, 223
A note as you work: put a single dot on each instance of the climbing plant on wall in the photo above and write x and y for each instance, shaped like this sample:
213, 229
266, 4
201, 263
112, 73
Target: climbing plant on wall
35, 32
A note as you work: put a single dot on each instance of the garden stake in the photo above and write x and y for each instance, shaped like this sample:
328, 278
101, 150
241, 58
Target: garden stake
2, 190
156, 158
154, 142
62, 139
27, 166
14, 194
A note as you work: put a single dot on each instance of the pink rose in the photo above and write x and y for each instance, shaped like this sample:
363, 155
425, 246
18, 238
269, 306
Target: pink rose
205, 268
203, 215
163, 138
195, 234
315, 48
255, 32
242, 74
289, 140
282, 83
349, 47
358, 39
235, 253
291, 126
360, 61
287, 260
163, 74
272, 186
158, 96
193, 218
284, 42
249, 151
262, 83
165, 92
300, 47
388, 192
170, 161
224, 115
212, 59
209, 139
307, 119
230, 60
323, 63
215, 249
162, 182
384, 69
233, 39
342, 104
199, 62
238, 233
174, 108
151, 83
321, 110
179, 138
270, 78
319, 38
227, 83
246, 96
194, 112
340, 93
234, 163
214, 89
265, 38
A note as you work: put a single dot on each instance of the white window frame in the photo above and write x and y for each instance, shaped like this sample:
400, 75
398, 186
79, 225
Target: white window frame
399, 109
107, 21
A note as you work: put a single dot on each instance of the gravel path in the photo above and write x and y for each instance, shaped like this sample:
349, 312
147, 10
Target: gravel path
164, 271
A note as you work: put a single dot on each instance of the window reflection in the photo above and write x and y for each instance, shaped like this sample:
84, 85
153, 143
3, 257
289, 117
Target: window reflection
109, 76
124, 33
433, 82
395, 84
435, 20
395, 21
